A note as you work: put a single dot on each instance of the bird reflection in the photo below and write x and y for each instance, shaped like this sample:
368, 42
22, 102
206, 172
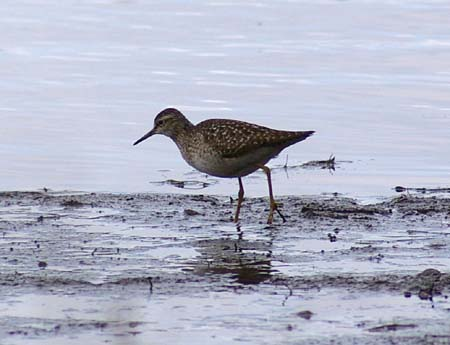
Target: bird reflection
245, 261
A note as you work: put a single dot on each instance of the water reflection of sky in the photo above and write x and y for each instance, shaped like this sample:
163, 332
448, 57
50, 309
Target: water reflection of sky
81, 81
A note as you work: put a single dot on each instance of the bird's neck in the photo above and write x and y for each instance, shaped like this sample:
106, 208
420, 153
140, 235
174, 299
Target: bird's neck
181, 131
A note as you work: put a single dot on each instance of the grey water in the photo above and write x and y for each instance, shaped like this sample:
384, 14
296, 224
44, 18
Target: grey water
82, 80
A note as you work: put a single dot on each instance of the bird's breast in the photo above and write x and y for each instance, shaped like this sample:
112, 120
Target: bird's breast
208, 160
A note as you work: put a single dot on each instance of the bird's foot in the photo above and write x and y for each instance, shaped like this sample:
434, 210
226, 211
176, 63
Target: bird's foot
274, 207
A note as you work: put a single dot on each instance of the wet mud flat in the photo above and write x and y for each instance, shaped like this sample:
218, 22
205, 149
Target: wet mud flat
174, 269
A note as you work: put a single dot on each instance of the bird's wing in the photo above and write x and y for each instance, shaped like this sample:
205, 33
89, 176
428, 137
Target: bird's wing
232, 138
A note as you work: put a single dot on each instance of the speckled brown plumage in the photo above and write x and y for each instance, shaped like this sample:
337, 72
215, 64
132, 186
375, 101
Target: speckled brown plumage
232, 138
225, 148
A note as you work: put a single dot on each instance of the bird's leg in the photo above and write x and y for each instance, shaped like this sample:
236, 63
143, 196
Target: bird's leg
240, 199
273, 204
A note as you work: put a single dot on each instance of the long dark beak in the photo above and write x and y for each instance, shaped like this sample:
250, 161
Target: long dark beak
148, 135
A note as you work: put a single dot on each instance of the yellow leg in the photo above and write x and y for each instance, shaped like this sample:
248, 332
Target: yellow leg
240, 199
273, 204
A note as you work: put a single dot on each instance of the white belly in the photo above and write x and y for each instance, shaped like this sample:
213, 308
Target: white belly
214, 165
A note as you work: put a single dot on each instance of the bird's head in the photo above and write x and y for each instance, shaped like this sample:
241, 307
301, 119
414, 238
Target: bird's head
169, 122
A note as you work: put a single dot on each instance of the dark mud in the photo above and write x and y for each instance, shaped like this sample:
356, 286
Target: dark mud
147, 268
422, 190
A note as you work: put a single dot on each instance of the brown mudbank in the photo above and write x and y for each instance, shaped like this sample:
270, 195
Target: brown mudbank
184, 246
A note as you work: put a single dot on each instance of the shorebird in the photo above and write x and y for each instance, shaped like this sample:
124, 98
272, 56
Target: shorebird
226, 148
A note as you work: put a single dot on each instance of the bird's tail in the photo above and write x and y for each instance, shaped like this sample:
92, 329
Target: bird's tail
303, 135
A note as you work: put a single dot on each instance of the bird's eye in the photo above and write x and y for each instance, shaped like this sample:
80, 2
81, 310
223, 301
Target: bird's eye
160, 122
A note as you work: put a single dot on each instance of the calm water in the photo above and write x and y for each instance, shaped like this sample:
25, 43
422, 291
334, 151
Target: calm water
81, 80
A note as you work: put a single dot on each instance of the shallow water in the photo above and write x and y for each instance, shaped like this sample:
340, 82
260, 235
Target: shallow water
212, 318
82, 80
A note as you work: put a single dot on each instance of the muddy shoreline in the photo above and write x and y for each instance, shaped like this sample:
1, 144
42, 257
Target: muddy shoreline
378, 273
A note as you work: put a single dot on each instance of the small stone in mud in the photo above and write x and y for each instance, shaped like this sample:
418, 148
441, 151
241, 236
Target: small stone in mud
42, 264
305, 314
430, 273
424, 295
71, 203
40, 218
101, 325
18, 332
377, 258
332, 237
407, 294
190, 212
392, 327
